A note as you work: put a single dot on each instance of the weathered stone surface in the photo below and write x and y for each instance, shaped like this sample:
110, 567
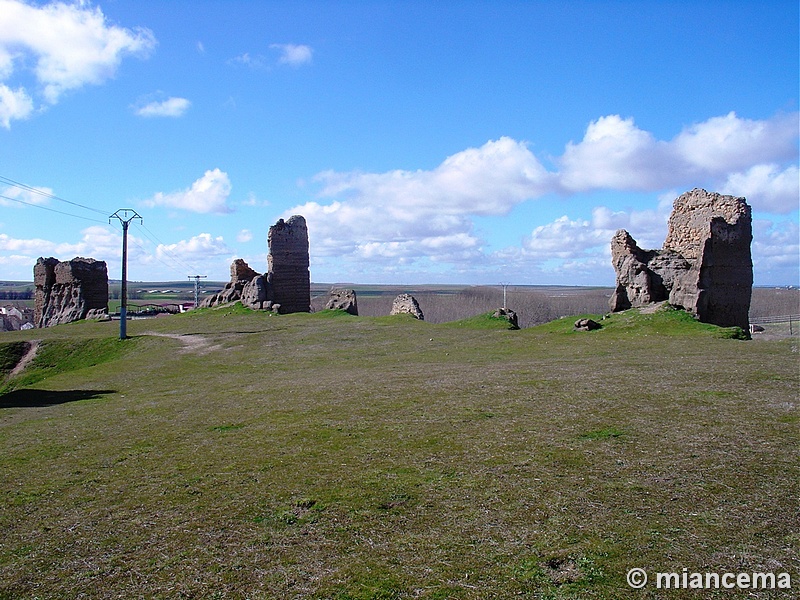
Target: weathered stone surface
587, 325
68, 291
509, 315
288, 263
254, 293
241, 271
343, 300
406, 304
241, 277
705, 266
98, 314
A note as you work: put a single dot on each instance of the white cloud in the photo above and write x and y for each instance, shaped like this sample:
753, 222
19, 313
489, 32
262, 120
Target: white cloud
254, 62
14, 105
293, 55
198, 248
37, 196
422, 213
208, 194
171, 107
244, 236
724, 144
427, 215
70, 45
100, 242
616, 154
776, 252
767, 187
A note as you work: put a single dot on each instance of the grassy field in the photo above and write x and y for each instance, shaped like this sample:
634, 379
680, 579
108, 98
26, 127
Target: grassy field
233, 454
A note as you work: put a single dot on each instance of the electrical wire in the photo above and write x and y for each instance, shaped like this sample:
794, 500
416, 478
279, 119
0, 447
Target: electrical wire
28, 188
145, 231
154, 238
60, 212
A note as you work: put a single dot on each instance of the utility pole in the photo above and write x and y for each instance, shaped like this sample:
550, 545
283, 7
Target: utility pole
505, 285
125, 216
197, 279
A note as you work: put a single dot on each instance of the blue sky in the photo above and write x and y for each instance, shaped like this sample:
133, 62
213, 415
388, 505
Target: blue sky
448, 142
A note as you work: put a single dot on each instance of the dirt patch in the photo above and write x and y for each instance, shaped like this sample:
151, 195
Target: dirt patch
192, 343
29, 355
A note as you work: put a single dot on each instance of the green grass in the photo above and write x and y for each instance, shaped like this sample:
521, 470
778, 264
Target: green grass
10, 355
62, 356
240, 454
483, 321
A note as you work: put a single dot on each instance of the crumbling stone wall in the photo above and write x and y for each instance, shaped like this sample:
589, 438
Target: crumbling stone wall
286, 286
69, 291
705, 264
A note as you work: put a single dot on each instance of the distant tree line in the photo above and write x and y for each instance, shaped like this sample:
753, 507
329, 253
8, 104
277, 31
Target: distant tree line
14, 295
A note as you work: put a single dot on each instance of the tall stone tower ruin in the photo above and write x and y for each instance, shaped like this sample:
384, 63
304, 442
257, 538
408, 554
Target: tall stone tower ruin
288, 265
705, 264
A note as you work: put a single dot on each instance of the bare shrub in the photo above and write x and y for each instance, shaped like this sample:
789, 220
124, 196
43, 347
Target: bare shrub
774, 302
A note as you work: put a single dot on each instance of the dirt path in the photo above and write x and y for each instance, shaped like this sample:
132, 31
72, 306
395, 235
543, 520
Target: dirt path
192, 343
26, 358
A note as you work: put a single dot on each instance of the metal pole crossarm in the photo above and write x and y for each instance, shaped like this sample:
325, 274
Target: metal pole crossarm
128, 215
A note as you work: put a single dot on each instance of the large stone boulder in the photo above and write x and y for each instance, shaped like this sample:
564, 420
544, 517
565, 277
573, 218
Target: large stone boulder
704, 267
68, 291
288, 264
509, 315
343, 300
406, 304
255, 293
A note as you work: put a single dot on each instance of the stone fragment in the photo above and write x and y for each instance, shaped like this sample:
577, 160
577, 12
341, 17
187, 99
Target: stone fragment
68, 291
241, 276
704, 267
587, 325
406, 304
343, 300
507, 314
255, 293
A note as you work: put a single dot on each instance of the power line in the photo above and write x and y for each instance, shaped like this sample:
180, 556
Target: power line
154, 238
60, 212
33, 190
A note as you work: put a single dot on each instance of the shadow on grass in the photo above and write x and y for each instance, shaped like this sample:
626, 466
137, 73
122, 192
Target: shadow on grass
31, 398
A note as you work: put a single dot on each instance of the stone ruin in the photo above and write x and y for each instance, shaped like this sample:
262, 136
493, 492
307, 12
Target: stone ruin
704, 267
406, 304
69, 291
343, 300
507, 314
286, 286
288, 262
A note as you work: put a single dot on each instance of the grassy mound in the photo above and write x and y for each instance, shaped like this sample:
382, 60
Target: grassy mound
666, 321
483, 321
